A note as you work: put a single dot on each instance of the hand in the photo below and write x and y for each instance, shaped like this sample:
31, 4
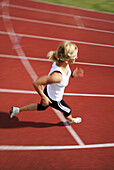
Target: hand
78, 72
45, 101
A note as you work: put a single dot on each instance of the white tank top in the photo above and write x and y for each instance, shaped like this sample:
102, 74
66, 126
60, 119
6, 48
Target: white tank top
56, 90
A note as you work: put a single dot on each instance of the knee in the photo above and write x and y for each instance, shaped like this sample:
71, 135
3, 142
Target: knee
40, 107
67, 114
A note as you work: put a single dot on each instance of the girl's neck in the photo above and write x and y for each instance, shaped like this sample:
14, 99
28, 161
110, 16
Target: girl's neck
61, 64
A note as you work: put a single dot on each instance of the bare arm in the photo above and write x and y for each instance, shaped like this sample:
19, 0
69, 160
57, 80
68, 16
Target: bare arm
44, 80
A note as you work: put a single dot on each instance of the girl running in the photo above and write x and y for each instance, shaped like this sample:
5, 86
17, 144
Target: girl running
55, 82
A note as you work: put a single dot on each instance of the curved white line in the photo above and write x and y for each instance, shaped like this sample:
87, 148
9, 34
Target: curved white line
13, 38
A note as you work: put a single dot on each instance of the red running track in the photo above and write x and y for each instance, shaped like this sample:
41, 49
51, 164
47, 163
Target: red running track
45, 128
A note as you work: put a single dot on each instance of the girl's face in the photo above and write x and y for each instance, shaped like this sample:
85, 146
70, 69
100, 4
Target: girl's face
71, 61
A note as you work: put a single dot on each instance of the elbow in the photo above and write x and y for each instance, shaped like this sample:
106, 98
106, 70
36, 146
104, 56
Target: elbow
34, 83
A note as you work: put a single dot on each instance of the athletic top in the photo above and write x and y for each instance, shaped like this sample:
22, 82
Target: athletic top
56, 90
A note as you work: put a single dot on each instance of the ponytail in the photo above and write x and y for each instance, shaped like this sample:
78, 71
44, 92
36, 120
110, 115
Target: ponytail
52, 55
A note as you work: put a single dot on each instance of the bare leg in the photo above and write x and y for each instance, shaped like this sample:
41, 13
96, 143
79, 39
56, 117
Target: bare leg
74, 120
70, 118
29, 107
16, 110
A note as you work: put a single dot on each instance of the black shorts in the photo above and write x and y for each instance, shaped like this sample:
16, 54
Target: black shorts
59, 105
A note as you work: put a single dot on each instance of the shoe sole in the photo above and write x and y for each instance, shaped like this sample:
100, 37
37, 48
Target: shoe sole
10, 113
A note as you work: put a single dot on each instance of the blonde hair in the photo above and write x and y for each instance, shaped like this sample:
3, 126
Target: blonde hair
66, 50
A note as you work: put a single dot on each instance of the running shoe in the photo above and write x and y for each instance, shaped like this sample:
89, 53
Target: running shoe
13, 111
75, 120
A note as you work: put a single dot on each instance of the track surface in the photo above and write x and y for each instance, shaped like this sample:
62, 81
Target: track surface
28, 30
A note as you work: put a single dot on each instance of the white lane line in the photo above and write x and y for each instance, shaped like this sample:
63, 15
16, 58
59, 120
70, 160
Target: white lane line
54, 39
69, 128
19, 148
26, 64
24, 58
44, 59
61, 5
57, 13
94, 64
66, 94
79, 23
18, 91
77, 20
88, 95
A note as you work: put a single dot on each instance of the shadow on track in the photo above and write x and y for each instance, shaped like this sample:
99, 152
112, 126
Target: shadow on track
6, 122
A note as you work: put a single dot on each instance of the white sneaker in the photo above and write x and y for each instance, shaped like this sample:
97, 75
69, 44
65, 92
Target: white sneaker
13, 111
75, 120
